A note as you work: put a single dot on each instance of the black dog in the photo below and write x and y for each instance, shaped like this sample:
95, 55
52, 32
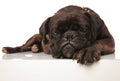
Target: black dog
73, 32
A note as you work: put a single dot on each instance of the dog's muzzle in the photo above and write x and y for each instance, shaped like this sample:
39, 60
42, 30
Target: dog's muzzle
68, 48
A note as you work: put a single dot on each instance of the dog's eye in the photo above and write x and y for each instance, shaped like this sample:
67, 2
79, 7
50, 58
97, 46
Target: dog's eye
55, 33
83, 28
74, 27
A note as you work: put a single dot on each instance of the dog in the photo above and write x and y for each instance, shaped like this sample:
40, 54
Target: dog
72, 33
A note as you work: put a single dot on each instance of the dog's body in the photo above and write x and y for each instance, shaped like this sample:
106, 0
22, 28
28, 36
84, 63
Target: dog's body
73, 32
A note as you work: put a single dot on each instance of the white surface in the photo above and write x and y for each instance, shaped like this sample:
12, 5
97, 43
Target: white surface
41, 67
106, 69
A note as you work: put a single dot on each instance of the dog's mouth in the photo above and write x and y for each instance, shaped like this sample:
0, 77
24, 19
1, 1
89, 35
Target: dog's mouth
68, 50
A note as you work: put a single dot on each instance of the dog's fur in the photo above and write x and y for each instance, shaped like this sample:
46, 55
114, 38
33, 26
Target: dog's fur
73, 32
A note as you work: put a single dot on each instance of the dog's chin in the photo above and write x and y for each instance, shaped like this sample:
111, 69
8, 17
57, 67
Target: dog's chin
68, 51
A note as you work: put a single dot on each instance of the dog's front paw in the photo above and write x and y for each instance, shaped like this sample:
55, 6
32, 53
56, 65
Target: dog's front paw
87, 55
35, 48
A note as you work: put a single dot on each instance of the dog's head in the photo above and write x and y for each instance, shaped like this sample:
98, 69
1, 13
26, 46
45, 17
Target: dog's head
69, 30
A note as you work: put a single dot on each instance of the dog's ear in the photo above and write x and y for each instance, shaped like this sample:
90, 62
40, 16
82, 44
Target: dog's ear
44, 30
96, 23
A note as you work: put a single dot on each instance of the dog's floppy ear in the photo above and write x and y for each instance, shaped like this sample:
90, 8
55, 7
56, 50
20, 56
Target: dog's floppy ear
95, 22
44, 30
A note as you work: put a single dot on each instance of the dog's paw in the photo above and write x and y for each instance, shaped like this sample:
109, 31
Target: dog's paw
9, 50
87, 56
4, 50
35, 48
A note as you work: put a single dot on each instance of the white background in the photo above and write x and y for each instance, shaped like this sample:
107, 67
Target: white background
20, 19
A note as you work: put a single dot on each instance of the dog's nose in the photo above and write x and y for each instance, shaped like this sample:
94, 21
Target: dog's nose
69, 35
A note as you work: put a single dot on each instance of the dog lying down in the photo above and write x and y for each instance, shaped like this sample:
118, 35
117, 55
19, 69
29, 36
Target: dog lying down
72, 32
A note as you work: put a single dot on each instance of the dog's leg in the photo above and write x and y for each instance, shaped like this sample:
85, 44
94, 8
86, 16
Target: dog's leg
102, 46
33, 44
